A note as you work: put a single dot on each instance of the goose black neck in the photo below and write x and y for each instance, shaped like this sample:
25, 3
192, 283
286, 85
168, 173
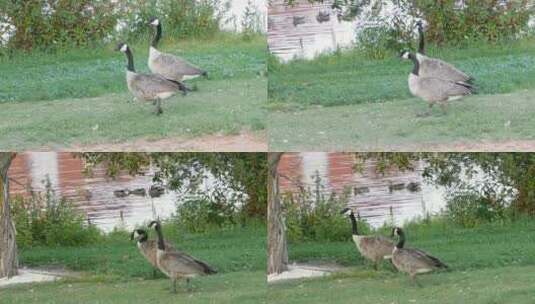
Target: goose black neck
416, 67
401, 241
158, 35
353, 224
161, 244
421, 46
130, 58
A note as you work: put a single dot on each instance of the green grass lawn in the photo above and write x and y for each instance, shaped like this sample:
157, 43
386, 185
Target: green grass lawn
346, 101
80, 96
348, 78
115, 267
502, 285
493, 263
394, 125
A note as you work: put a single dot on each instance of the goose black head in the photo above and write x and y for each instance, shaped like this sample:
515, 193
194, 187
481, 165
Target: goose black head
420, 24
346, 211
122, 47
156, 224
405, 54
396, 231
139, 235
154, 21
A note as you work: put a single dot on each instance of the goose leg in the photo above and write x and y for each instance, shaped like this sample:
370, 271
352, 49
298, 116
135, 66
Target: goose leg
159, 110
188, 285
428, 112
414, 281
153, 273
182, 87
375, 266
174, 285
444, 107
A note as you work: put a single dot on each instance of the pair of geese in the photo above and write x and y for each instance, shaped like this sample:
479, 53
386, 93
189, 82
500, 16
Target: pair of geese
174, 263
168, 72
377, 248
435, 80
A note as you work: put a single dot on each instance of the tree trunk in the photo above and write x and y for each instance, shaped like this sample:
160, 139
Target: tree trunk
277, 246
8, 246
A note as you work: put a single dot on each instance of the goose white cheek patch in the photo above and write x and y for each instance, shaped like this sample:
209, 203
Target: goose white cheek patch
124, 48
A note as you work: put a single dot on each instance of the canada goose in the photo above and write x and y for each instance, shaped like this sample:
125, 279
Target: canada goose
148, 87
177, 264
169, 66
436, 68
412, 261
148, 247
374, 248
433, 89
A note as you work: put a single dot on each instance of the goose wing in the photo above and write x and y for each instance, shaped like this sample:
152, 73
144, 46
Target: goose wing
150, 85
379, 244
435, 89
184, 263
173, 67
436, 68
418, 259
149, 247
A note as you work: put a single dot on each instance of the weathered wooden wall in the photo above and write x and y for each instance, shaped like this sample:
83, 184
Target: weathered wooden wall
372, 193
288, 40
93, 195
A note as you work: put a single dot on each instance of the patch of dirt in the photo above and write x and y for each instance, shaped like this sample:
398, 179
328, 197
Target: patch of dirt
481, 146
300, 271
37, 275
243, 142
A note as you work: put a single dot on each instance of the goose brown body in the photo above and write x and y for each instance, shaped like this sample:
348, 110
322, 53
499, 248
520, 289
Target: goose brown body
373, 248
149, 248
434, 90
411, 260
436, 68
169, 66
178, 264
148, 87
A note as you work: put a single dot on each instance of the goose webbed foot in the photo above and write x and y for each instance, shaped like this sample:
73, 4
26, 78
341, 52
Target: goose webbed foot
423, 114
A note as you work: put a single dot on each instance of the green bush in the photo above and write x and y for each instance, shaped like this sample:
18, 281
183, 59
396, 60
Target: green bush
490, 20
312, 217
180, 18
202, 214
470, 209
378, 42
52, 25
447, 23
45, 220
46, 24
